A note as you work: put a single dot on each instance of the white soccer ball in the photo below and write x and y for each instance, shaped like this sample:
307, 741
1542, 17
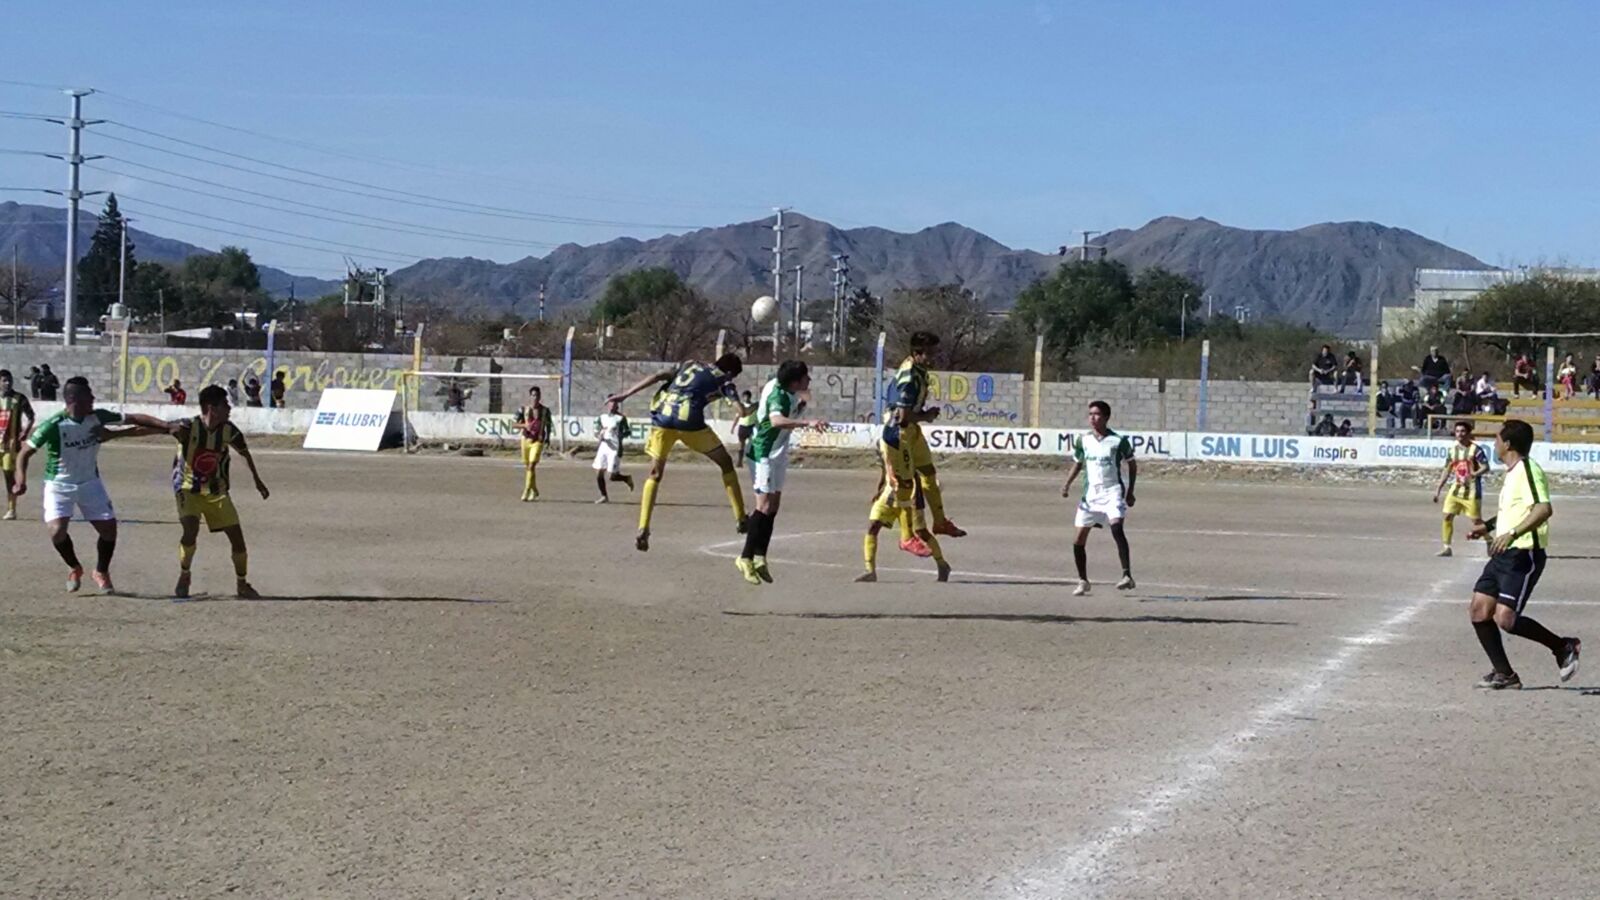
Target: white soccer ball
764, 310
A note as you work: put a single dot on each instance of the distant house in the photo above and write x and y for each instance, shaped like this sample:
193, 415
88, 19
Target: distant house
1455, 290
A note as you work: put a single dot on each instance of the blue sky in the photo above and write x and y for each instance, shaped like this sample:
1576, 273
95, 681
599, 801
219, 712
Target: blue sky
1472, 123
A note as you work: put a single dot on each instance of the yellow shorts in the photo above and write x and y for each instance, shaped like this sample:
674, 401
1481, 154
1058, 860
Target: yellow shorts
8, 462
662, 440
913, 441
1462, 506
886, 511
532, 452
902, 462
216, 509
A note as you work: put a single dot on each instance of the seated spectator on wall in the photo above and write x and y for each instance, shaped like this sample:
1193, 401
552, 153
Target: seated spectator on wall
1594, 378
1433, 409
1488, 395
252, 391
1350, 375
1344, 429
1408, 403
176, 393
1325, 428
1567, 377
1522, 376
1435, 369
1462, 401
1323, 368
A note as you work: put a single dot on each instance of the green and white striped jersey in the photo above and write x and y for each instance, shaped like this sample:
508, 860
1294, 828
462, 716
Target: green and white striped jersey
72, 451
769, 441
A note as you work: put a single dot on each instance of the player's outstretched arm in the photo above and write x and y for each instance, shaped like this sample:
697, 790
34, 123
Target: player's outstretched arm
661, 376
161, 426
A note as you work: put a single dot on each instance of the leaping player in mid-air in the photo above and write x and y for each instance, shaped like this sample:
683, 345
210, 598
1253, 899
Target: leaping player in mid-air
1465, 466
678, 413
777, 414
200, 481
14, 408
910, 457
895, 502
1099, 455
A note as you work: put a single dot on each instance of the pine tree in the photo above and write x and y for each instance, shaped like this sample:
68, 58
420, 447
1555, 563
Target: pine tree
99, 268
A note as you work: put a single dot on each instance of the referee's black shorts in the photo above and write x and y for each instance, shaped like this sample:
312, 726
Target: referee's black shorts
1510, 577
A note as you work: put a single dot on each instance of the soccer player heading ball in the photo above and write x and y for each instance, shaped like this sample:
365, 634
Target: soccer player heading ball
200, 482
777, 414
1100, 454
1517, 560
909, 456
678, 413
1463, 471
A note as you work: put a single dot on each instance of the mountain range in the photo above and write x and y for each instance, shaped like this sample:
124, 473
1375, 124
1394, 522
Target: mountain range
1331, 275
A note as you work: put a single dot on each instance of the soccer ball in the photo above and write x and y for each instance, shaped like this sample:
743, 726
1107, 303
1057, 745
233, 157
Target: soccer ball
764, 310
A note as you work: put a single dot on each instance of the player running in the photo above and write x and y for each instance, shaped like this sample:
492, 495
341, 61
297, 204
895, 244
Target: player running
71, 442
777, 414
887, 508
912, 460
1466, 466
200, 481
678, 413
1521, 529
612, 429
14, 408
534, 421
1100, 455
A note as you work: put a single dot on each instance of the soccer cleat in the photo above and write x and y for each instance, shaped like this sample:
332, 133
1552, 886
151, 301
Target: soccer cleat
245, 592
1445, 552
1567, 659
1081, 589
915, 546
628, 480
74, 580
182, 589
1126, 583
944, 571
761, 569
102, 580
948, 529
1494, 681
747, 568
600, 500
641, 541
743, 525
11, 515
866, 577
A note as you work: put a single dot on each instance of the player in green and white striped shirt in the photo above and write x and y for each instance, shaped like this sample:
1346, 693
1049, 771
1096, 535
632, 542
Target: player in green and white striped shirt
776, 415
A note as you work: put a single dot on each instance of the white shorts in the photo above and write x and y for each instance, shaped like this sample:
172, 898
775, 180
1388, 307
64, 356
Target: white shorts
1101, 508
90, 498
767, 475
607, 459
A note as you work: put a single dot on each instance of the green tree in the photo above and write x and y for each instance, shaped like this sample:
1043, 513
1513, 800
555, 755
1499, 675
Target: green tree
153, 295
1078, 301
1163, 301
217, 285
630, 291
99, 269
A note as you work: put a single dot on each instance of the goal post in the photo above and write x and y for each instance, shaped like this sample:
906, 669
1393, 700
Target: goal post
412, 394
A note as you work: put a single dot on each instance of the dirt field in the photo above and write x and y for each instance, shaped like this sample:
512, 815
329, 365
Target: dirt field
458, 695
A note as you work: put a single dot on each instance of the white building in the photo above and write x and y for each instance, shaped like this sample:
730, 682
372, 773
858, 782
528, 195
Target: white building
1455, 290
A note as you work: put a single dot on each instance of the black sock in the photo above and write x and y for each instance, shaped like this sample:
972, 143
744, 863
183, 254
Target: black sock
1121, 538
768, 522
103, 549
68, 554
1489, 637
752, 535
1533, 631
1080, 555
600, 479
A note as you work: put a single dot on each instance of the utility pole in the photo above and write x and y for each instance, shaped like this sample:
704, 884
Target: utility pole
841, 279
16, 320
1083, 249
75, 160
122, 269
797, 270
161, 298
777, 275
541, 301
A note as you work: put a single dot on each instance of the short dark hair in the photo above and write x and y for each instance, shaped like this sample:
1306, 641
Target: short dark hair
535, 390
790, 371
5, 373
923, 341
77, 380
75, 385
1104, 407
212, 394
1518, 435
1463, 423
730, 364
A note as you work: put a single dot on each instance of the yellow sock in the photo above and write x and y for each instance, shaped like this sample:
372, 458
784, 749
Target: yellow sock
730, 482
930, 492
647, 502
530, 483
933, 544
1448, 530
906, 532
241, 563
869, 547
185, 556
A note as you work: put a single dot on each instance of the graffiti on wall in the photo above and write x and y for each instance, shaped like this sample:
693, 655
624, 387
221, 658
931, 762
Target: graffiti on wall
965, 398
151, 373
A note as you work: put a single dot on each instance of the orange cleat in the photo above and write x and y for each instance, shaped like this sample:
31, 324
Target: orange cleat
915, 547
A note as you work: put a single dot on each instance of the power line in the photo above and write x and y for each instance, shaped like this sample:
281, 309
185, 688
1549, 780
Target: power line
308, 237
208, 228
13, 114
35, 84
423, 200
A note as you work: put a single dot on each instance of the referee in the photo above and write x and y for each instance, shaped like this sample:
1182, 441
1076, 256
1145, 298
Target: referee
1517, 557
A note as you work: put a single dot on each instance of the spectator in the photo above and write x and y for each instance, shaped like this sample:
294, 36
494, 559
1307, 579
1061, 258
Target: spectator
1385, 403
1567, 377
33, 381
1435, 369
279, 388
1433, 409
1409, 403
1323, 368
48, 383
454, 400
1594, 378
176, 393
1488, 395
1344, 428
1325, 428
1350, 376
252, 391
1522, 376
233, 392
1462, 401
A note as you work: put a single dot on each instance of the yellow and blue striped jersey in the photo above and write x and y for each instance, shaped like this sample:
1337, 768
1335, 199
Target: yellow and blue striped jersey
911, 385
681, 404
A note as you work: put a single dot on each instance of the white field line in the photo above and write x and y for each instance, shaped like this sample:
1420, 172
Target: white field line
1080, 870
